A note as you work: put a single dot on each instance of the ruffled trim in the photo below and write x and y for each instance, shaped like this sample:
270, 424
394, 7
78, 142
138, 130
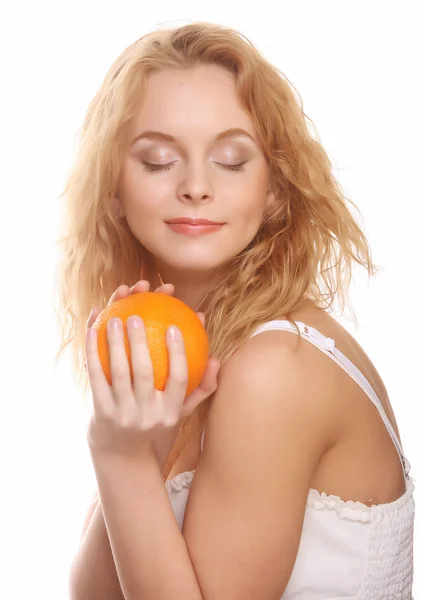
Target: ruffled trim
354, 510
181, 481
345, 509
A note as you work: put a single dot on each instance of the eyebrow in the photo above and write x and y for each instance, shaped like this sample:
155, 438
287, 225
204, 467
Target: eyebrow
158, 135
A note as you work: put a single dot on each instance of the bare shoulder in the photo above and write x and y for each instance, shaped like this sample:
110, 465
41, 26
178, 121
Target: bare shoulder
276, 378
349, 346
289, 357
329, 326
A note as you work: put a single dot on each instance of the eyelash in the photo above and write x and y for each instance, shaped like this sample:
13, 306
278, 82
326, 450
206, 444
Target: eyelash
152, 167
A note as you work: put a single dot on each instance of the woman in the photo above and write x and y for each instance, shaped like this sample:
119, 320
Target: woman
299, 487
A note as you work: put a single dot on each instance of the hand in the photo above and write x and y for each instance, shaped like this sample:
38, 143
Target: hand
129, 418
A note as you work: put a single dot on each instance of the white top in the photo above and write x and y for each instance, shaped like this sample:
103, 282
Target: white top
347, 549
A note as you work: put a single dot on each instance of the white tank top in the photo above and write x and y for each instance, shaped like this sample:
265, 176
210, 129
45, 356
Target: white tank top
347, 550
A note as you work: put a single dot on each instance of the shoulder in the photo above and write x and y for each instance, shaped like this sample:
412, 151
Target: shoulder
275, 382
283, 372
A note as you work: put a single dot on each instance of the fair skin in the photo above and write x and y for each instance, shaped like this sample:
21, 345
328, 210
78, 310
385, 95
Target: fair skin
307, 423
194, 106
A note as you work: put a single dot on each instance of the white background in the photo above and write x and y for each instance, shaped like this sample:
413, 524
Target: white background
355, 66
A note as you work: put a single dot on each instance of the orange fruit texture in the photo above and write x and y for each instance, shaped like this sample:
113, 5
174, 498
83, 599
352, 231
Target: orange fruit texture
158, 312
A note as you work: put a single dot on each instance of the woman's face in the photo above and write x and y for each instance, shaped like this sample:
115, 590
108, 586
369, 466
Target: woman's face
189, 110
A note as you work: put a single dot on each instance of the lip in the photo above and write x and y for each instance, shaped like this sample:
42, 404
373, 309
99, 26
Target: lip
192, 221
194, 230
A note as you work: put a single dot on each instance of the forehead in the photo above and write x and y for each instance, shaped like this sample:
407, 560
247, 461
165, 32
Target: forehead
191, 102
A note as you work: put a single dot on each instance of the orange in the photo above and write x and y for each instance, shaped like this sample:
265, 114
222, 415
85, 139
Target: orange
158, 312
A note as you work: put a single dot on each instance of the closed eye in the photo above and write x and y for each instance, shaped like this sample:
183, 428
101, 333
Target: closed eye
154, 167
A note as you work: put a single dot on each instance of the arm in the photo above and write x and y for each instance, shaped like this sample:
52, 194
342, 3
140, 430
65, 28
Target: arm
93, 572
149, 551
270, 422
89, 515
263, 466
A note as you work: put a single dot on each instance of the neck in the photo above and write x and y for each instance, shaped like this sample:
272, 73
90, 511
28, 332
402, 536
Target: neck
188, 288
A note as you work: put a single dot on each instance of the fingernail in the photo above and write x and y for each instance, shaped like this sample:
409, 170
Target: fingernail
115, 324
135, 322
174, 333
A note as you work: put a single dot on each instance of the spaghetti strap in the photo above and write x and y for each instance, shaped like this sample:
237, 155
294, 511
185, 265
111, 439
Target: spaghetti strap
327, 345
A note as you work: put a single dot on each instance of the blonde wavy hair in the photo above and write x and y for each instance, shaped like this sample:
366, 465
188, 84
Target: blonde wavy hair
308, 240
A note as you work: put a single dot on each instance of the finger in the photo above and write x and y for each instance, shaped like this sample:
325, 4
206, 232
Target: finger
177, 380
143, 372
201, 318
101, 392
119, 364
92, 316
207, 386
167, 288
121, 292
143, 286
140, 286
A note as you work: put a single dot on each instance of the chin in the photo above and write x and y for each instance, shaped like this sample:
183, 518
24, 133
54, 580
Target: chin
193, 263
195, 266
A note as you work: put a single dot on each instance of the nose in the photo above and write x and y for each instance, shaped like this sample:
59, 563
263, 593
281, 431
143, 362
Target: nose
195, 186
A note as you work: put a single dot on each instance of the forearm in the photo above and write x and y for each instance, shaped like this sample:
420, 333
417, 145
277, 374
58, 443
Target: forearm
93, 573
149, 550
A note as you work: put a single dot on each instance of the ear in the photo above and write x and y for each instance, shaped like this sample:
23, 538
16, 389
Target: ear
271, 191
271, 196
117, 206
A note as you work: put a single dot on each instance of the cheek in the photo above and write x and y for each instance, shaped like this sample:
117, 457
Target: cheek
247, 216
252, 202
255, 186
143, 196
